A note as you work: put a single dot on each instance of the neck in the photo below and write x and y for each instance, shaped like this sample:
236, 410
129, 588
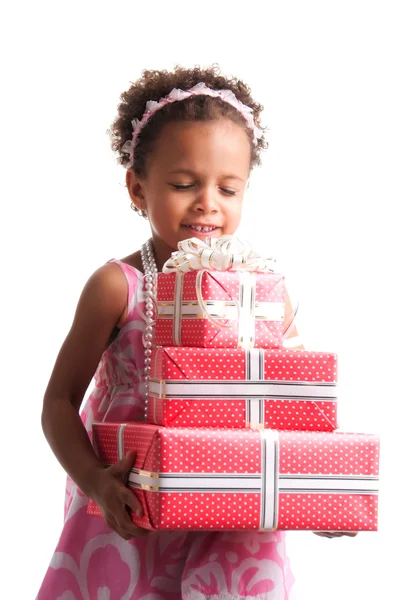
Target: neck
162, 251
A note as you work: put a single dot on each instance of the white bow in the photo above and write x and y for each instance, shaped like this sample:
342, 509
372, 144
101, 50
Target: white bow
227, 253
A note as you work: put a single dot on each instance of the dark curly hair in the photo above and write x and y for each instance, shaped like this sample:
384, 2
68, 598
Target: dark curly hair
154, 85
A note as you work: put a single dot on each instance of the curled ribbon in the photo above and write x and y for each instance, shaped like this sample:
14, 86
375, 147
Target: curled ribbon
227, 253
203, 306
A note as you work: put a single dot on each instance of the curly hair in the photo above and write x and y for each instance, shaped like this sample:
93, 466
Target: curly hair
154, 85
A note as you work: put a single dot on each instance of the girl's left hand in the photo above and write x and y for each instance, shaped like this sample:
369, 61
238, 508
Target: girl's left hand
332, 534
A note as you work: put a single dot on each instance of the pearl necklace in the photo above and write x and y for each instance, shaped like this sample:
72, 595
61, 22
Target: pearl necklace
150, 289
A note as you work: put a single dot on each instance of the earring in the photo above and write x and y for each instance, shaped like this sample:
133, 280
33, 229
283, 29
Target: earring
141, 211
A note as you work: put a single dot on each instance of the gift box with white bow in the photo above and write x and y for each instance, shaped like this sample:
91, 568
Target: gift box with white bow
219, 294
237, 388
217, 479
212, 309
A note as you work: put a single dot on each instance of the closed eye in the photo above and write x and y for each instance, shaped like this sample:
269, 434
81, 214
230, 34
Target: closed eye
229, 192
181, 187
177, 186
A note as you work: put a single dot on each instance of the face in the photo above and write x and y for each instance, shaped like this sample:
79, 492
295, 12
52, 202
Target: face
194, 183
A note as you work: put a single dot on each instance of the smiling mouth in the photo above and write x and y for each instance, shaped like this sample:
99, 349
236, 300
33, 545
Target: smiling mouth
202, 228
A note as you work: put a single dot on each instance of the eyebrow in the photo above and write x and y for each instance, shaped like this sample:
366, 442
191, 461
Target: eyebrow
193, 174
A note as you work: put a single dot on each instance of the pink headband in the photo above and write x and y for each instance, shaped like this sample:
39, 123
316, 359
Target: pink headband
176, 95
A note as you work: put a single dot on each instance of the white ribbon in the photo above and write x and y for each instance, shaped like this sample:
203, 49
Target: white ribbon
243, 388
178, 309
227, 253
267, 481
264, 482
202, 304
120, 441
245, 314
254, 389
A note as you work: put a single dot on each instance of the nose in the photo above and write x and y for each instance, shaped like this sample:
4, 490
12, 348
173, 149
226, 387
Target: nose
206, 201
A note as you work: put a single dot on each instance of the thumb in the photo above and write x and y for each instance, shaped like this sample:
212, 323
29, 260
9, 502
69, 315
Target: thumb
125, 465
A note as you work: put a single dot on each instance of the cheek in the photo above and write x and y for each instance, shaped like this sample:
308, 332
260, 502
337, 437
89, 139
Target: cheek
166, 212
236, 209
234, 215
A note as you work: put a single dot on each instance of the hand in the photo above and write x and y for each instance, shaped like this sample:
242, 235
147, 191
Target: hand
333, 534
116, 500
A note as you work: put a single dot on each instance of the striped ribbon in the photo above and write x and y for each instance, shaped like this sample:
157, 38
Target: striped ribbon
268, 482
264, 483
254, 389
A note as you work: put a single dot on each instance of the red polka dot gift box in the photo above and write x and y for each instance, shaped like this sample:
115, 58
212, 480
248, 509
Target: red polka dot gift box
245, 479
220, 309
236, 388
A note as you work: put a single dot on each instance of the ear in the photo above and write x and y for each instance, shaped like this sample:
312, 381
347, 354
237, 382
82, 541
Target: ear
135, 189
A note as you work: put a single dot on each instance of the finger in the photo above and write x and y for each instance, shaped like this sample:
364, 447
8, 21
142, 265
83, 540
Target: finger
131, 500
333, 534
327, 534
131, 535
139, 532
125, 527
123, 512
113, 524
125, 464
128, 527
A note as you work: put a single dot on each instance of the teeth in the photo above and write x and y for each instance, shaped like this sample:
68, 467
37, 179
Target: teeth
204, 229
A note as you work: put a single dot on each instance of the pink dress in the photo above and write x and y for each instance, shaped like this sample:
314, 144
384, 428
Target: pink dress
92, 562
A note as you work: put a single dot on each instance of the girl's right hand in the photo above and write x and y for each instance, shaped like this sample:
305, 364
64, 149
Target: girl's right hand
115, 499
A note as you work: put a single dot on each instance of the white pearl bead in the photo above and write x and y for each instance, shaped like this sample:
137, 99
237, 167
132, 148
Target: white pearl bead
150, 272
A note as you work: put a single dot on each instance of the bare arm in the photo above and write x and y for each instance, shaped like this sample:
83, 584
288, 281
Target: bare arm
100, 306
99, 309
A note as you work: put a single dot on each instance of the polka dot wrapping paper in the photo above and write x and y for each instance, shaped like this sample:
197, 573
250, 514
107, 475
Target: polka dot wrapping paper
246, 309
217, 479
236, 388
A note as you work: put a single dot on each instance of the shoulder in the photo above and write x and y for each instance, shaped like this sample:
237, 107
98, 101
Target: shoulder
104, 296
116, 284
100, 306
107, 283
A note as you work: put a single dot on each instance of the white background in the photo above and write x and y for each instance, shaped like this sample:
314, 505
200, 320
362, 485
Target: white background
322, 202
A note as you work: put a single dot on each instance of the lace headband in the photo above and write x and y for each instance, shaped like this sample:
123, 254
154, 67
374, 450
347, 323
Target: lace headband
177, 95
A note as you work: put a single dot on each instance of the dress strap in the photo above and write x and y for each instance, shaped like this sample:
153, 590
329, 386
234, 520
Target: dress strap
134, 282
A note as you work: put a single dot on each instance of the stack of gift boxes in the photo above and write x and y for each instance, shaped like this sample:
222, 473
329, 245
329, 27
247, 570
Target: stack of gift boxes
240, 432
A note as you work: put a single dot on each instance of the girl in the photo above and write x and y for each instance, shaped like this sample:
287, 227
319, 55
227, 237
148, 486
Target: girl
189, 139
